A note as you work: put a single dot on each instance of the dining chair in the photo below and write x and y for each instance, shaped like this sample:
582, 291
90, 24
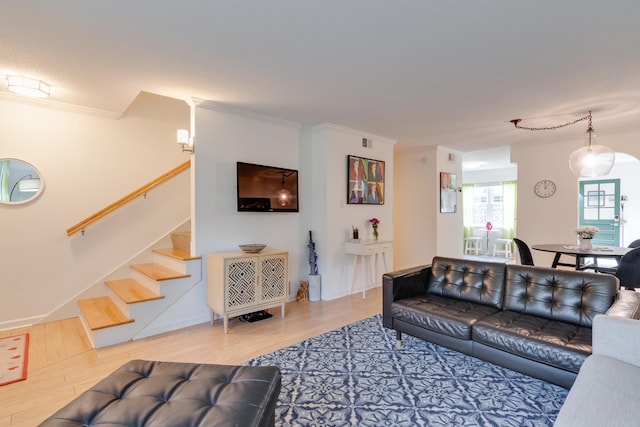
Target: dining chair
634, 244
628, 271
525, 253
612, 266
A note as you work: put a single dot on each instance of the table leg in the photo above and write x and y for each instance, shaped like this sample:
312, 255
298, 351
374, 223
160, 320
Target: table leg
365, 275
353, 272
556, 259
487, 251
375, 271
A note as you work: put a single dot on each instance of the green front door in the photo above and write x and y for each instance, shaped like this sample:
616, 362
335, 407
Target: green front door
600, 206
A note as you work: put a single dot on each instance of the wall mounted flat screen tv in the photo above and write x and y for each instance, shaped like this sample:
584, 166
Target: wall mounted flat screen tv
266, 188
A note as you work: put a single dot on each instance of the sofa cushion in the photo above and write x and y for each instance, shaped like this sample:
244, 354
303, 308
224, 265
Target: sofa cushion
474, 281
604, 394
568, 296
448, 316
559, 344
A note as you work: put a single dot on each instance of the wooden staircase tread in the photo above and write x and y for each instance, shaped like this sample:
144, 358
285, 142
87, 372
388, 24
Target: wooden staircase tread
158, 272
102, 313
131, 291
177, 253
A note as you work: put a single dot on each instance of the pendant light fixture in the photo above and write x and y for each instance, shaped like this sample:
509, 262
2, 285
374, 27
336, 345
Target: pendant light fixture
589, 161
592, 159
283, 195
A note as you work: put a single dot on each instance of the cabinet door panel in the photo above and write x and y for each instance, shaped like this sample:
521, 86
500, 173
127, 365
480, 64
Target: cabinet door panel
242, 277
273, 277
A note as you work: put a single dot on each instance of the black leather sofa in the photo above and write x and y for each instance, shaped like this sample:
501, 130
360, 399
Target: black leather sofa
169, 394
529, 319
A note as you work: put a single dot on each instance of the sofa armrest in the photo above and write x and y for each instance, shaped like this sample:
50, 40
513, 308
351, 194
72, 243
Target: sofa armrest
402, 284
627, 304
617, 337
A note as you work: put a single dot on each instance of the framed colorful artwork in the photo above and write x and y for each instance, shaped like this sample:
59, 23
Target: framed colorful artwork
365, 181
448, 192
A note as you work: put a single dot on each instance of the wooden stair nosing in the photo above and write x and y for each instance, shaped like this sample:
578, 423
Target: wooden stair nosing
177, 253
102, 313
131, 291
158, 272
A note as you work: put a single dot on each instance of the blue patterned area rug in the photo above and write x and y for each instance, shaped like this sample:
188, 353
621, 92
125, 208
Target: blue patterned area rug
355, 376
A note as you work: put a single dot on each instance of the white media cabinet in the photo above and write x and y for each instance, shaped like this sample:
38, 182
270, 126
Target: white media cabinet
239, 283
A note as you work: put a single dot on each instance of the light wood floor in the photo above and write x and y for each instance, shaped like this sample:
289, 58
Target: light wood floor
62, 365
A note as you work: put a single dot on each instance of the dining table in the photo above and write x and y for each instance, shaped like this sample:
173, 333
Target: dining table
581, 255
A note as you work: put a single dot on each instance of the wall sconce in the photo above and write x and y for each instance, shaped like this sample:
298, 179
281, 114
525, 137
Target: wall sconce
28, 87
185, 141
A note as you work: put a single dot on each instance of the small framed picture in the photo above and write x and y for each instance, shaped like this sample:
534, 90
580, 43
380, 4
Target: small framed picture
595, 198
365, 181
448, 192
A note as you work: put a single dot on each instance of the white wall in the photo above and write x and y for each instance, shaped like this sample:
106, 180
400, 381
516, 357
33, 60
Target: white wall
332, 219
489, 175
629, 174
553, 220
88, 160
225, 136
422, 232
415, 217
449, 227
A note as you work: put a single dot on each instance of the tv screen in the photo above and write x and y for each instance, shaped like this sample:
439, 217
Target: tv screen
266, 188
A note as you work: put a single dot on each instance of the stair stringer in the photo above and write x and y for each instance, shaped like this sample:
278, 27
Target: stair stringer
70, 308
144, 313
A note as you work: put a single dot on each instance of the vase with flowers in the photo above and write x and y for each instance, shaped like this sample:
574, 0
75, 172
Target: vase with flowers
585, 233
374, 223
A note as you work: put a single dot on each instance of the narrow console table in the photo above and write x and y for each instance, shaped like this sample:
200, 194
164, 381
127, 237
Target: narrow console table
239, 283
362, 249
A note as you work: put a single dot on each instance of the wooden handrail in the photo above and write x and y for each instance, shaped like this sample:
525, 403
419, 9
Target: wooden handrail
126, 199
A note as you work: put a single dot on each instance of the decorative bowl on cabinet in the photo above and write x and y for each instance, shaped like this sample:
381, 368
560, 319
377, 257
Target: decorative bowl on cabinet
252, 248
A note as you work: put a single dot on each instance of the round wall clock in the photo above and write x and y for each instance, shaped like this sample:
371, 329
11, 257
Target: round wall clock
545, 188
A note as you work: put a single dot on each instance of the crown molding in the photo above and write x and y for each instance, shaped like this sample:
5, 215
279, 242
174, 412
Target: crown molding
229, 109
56, 105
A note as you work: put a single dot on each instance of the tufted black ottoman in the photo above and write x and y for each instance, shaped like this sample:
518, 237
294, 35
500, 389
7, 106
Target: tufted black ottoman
168, 394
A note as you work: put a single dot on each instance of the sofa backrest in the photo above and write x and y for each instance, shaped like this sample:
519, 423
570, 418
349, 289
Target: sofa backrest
474, 281
566, 295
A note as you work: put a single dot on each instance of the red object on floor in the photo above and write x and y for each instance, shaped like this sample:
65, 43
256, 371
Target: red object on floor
14, 357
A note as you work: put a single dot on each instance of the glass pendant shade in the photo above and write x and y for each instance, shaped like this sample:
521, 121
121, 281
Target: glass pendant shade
284, 197
592, 159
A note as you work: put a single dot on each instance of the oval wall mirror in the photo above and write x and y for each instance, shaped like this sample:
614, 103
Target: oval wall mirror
20, 182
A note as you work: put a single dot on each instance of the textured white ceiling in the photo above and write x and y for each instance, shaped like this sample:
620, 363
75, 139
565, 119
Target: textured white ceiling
423, 72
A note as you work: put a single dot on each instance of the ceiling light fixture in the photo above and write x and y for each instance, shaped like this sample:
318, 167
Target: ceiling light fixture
27, 86
30, 185
26, 184
588, 161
